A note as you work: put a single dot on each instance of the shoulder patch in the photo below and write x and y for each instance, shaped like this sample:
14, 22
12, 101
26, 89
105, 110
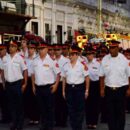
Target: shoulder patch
65, 64
85, 66
57, 65
22, 56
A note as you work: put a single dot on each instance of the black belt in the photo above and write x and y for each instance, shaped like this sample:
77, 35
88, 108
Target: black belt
115, 88
75, 85
43, 86
11, 83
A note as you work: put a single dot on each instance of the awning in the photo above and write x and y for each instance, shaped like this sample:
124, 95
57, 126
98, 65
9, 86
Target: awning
13, 22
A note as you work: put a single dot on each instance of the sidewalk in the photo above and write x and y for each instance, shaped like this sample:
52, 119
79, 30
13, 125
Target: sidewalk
100, 126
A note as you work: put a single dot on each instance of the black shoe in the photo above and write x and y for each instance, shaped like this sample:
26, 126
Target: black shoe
13, 128
57, 125
63, 125
103, 121
31, 122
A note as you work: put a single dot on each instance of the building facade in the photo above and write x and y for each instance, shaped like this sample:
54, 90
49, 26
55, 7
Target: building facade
58, 20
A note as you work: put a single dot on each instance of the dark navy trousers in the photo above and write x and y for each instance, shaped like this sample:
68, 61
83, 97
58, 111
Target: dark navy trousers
46, 104
75, 97
15, 101
115, 100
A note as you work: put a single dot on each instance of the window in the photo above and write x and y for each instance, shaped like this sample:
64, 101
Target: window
59, 34
47, 33
35, 27
69, 33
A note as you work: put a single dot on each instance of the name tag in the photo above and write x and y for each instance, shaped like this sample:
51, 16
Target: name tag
46, 65
95, 68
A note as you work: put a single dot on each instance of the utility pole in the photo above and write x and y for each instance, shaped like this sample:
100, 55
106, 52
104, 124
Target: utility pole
53, 28
99, 16
33, 8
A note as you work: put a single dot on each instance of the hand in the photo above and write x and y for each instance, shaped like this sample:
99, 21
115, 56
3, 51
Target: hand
34, 90
63, 94
53, 88
128, 92
102, 92
86, 94
23, 87
3, 85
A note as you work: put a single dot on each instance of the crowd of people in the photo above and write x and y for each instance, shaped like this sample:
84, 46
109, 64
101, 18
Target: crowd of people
52, 85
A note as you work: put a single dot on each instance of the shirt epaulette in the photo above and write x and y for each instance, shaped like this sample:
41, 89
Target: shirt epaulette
85, 66
65, 64
22, 56
35, 57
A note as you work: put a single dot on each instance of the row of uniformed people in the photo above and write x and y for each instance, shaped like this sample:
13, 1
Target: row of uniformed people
76, 54
91, 119
59, 108
43, 71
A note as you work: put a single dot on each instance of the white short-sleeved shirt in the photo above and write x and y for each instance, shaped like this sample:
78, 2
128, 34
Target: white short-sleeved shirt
44, 70
24, 54
93, 68
62, 61
82, 59
75, 75
116, 70
13, 67
29, 64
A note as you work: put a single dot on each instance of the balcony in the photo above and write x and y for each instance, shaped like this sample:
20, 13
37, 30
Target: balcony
113, 8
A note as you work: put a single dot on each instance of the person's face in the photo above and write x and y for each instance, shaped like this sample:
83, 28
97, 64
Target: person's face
42, 51
73, 56
65, 50
3, 52
90, 57
51, 51
114, 51
24, 43
58, 51
127, 55
31, 51
12, 49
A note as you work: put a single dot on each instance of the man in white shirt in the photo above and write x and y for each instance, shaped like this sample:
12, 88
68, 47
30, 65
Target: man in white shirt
114, 79
30, 102
24, 49
14, 71
5, 116
61, 112
92, 103
45, 80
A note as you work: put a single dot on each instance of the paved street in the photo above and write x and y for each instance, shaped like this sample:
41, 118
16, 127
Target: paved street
100, 126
